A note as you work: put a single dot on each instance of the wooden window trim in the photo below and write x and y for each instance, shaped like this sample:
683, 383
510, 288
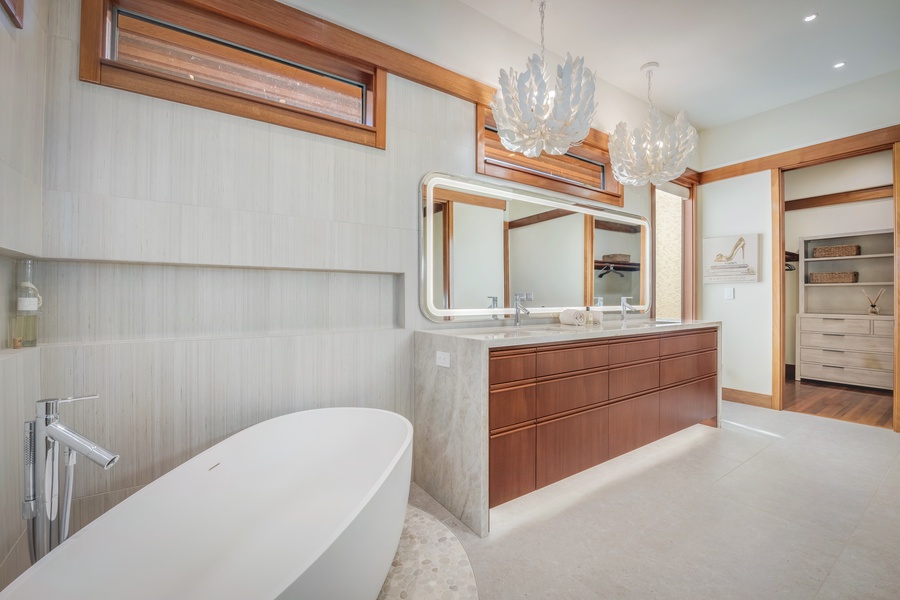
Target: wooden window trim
15, 10
228, 20
537, 171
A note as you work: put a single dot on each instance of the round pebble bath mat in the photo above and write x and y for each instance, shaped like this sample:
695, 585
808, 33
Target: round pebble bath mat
430, 563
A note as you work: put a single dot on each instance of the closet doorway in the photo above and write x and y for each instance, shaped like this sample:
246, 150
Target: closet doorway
838, 359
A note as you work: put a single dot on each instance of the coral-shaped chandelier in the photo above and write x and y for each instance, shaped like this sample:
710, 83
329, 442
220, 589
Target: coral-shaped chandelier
653, 154
531, 118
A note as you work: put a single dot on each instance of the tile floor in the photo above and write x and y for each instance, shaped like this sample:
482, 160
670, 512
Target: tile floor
770, 505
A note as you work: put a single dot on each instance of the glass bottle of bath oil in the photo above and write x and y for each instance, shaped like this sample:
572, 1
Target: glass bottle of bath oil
28, 304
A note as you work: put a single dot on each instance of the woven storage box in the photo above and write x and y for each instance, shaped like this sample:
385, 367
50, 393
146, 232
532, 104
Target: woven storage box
847, 277
831, 251
617, 257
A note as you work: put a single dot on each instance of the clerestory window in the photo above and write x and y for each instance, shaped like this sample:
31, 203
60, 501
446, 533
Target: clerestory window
216, 54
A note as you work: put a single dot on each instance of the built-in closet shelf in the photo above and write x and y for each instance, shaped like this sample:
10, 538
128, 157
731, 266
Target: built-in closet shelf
854, 257
837, 340
857, 284
616, 265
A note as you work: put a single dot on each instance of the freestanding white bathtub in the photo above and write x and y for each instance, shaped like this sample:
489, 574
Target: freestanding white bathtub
309, 505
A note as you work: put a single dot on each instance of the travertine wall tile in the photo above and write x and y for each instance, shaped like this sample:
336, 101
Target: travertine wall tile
162, 402
23, 69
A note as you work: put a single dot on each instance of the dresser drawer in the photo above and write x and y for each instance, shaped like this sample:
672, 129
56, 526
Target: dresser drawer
625, 381
506, 367
695, 342
850, 375
625, 352
512, 406
566, 360
685, 368
865, 360
883, 327
560, 395
866, 343
836, 325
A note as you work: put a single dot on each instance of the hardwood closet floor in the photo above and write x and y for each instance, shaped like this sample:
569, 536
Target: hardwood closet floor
867, 406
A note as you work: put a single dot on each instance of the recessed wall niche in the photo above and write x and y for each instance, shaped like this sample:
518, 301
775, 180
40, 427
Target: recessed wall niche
95, 302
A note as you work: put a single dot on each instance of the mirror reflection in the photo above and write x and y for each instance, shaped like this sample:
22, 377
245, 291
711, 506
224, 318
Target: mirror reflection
482, 243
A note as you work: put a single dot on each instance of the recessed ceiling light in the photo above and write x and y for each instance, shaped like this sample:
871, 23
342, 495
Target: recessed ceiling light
811, 17
838, 65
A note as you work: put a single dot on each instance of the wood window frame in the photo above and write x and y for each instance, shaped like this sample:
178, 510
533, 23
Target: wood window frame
543, 171
267, 27
15, 10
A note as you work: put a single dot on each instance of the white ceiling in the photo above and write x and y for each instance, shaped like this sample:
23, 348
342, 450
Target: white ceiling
720, 60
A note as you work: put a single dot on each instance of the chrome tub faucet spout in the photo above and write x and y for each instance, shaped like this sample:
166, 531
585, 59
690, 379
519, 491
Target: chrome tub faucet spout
40, 507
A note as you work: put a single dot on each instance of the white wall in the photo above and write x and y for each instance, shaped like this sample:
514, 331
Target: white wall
547, 258
858, 108
477, 265
733, 207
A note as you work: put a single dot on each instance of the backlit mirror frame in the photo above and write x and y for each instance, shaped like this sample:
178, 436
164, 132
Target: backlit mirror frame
489, 189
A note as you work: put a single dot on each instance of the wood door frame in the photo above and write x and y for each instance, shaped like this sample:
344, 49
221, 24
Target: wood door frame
778, 303
688, 250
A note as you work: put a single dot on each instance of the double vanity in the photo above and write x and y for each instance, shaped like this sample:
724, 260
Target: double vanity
503, 411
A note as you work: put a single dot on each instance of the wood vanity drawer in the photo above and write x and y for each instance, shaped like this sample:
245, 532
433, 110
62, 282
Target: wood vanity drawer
511, 406
511, 366
560, 395
865, 360
566, 360
836, 341
695, 342
571, 444
885, 327
625, 381
684, 368
881, 379
511, 465
626, 352
685, 405
836, 325
633, 423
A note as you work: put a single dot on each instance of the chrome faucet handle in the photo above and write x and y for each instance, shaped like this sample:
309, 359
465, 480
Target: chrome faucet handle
49, 407
78, 398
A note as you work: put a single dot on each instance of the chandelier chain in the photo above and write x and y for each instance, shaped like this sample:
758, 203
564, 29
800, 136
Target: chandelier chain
649, 78
543, 7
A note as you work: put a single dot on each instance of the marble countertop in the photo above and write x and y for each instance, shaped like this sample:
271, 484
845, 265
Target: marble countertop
557, 332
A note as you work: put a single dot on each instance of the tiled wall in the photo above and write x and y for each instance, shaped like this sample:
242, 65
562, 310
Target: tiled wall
23, 55
20, 381
203, 272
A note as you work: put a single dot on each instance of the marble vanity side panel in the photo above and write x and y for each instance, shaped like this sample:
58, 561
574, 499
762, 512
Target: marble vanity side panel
719, 375
450, 460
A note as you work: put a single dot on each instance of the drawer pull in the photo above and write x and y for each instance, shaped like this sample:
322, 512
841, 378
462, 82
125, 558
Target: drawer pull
833, 366
834, 334
830, 350
832, 319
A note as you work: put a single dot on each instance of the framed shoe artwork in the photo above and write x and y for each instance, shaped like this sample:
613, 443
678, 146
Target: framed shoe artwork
731, 258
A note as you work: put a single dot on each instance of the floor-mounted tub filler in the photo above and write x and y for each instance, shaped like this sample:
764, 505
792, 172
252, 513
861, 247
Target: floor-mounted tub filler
307, 505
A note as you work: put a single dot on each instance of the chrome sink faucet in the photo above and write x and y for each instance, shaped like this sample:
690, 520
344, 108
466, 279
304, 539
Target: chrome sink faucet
626, 307
40, 506
519, 296
493, 300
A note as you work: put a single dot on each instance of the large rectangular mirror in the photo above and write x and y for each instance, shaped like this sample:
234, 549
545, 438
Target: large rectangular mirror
481, 243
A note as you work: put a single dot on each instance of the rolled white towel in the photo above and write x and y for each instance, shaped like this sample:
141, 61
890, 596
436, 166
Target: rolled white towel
572, 316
